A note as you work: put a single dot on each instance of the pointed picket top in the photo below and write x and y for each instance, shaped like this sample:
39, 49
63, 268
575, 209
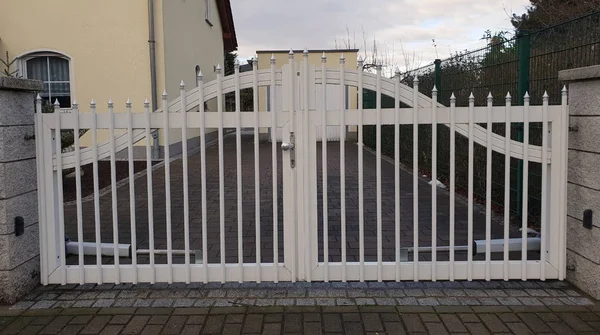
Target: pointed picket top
128, 103
452, 97
434, 90
236, 64
56, 104
490, 96
342, 58
416, 80
218, 68
182, 85
164, 95
546, 96
526, 96
323, 58
508, 97
360, 59
291, 54
255, 60
272, 58
38, 98
200, 75
146, 103
305, 52
75, 105
398, 72
564, 89
471, 97
93, 103
110, 103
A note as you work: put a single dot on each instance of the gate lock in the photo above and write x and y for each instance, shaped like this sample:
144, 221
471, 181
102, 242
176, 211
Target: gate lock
289, 146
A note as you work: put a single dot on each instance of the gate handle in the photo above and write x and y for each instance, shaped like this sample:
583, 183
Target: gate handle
286, 146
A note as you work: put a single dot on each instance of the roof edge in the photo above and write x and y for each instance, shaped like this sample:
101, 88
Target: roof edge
227, 26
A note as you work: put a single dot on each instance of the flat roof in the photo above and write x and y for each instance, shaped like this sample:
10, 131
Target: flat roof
301, 51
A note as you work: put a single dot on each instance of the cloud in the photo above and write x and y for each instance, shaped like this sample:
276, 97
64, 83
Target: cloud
317, 24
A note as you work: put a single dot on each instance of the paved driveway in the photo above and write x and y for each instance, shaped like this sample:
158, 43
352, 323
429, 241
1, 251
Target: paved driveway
266, 224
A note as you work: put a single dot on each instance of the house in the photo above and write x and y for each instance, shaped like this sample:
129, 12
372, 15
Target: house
115, 49
314, 59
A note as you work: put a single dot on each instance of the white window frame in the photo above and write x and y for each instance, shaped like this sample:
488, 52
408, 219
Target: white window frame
208, 12
24, 57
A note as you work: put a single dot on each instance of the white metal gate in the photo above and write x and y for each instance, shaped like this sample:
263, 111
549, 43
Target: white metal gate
307, 253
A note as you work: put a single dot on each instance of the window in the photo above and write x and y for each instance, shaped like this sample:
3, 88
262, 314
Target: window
53, 71
208, 12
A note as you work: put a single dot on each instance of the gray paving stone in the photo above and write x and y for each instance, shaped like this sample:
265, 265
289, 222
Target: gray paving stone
317, 293
143, 302
407, 301
305, 302
184, 302
204, 302
414, 293
470, 302
337, 293
509, 301
223, 303
325, 302
285, 302
217, 293
296, 293
428, 301
163, 303
531, 301
43, 304
454, 292
364, 301
265, 302
449, 301
83, 303
385, 301
489, 301
344, 302
246, 302
496, 293
104, 303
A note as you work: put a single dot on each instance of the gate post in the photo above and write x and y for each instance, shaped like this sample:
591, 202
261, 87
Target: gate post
19, 236
583, 179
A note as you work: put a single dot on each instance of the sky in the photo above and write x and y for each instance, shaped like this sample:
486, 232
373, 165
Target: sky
396, 25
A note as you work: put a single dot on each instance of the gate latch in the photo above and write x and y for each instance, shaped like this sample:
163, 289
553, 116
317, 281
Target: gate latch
290, 146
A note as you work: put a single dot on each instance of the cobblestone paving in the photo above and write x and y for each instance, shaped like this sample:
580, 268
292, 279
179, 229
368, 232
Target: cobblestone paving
305, 320
266, 211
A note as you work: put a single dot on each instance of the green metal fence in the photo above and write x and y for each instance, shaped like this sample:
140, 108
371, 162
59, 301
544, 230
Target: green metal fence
529, 62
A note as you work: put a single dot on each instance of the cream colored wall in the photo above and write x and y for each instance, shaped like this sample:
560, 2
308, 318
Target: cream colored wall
190, 41
106, 40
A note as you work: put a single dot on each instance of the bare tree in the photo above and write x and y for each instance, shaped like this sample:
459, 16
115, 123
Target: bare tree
374, 53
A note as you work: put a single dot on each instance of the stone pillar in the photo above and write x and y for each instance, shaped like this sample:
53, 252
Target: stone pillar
583, 189
19, 255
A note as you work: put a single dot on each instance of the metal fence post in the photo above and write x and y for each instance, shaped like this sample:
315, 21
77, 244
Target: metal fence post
438, 76
523, 47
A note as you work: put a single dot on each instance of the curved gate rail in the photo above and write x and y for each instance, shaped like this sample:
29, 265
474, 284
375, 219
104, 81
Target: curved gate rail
298, 120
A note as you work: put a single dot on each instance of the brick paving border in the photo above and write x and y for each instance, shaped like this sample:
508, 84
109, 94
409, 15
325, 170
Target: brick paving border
485, 294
